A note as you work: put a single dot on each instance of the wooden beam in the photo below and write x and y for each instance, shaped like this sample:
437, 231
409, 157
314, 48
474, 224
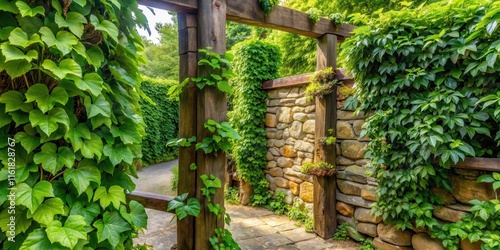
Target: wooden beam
249, 12
150, 200
179, 6
325, 212
287, 81
479, 163
211, 104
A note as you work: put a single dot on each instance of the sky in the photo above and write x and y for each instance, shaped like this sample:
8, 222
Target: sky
160, 16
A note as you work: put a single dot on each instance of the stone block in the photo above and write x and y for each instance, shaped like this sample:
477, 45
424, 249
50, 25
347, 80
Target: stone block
284, 115
460, 207
287, 101
467, 245
303, 102
294, 92
293, 179
365, 215
304, 146
423, 241
349, 187
276, 172
382, 245
362, 162
310, 108
358, 126
311, 116
272, 110
281, 182
294, 188
306, 192
288, 151
465, 190
354, 173
344, 161
296, 131
353, 149
353, 200
345, 130
284, 162
275, 151
298, 110
343, 219
390, 234
271, 120
283, 92
271, 133
367, 228
288, 195
349, 115
368, 193
271, 164
448, 214
301, 117
282, 126
309, 126
345, 209
269, 156
279, 143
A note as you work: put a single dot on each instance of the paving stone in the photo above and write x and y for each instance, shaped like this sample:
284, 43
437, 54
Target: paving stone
315, 243
274, 220
298, 234
286, 227
273, 240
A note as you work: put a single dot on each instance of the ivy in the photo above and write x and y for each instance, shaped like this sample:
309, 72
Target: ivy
69, 102
255, 62
422, 72
267, 5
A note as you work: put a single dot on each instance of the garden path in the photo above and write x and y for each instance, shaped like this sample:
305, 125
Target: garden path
253, 228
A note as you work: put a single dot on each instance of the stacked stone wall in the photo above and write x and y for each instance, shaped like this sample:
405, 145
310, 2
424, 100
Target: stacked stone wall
290, 128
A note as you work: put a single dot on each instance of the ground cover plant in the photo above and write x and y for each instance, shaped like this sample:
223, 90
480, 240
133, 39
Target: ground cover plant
69, 93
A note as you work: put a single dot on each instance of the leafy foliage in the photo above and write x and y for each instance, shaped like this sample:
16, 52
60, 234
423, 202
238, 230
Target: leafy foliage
255, 62
231, 195
267, 5
341, 233
322, 83
162, 121
69, 101
314, 15
184, 207
220, 141
423, 73
278, 204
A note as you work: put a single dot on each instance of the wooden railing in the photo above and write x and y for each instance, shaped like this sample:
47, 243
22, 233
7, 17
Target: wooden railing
479, 163
150, 200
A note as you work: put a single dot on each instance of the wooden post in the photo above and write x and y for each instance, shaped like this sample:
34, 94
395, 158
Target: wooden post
188, 49
211, 104
325, 213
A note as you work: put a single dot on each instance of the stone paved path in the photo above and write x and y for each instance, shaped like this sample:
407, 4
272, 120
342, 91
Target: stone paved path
253, 228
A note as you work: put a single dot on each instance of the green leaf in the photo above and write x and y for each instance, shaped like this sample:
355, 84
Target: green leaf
29, 142
40, 94
100, 106
137, 216
21, 220
19, 38
63, 40
49, 123
91, 83
33, 197
88, 211
16, 68
14, 100
38, 240
95, 56
8, 6
26, 10
127, 132
110, 227
92, 147
225, 87
12, 53
485, 178
115, 195
45, 213
83, 175
118, 153
53, 161
67, 66
181, 209
105, 26
76, 136
74, 21
69, 234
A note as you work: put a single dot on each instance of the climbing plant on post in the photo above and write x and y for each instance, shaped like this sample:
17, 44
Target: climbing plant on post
70, 124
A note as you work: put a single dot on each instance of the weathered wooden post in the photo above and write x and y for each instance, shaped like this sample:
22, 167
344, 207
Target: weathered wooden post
325, 213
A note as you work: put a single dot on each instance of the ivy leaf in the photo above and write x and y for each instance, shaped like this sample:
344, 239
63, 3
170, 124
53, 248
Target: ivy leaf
181, 209
53, 161
115, 195
63, 40
106, 26
5, 118
95, 56
44, 214
92, 83
66, 67
33, 197
74, 21
49, 123
100, 106
8, 6
27, 141
69, 234
88, 211
110, 227
22, 221
225, 87
12, 53
92, 147
19, 38
76, 136
118, 153
137, 216
14, 100
82, 176
16, 68
127, 132
38, 240
26, 10
40, 94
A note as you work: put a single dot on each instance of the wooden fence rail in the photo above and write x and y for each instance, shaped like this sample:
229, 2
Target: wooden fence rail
150, 200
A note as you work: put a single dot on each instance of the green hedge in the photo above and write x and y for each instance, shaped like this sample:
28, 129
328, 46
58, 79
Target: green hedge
254, 62
424, 71
162, 121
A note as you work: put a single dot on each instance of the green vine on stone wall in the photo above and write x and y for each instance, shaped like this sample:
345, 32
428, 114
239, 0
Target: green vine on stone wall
69, 99
423, 73
255, 62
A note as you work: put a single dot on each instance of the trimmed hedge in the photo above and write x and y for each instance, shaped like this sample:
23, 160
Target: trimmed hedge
162, 121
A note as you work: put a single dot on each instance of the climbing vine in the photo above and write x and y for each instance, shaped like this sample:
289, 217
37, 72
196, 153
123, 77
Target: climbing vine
255, 62
423, 71
69, 95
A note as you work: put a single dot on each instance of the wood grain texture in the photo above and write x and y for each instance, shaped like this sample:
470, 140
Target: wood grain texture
287, 81
479, 163
325, 220
150, 200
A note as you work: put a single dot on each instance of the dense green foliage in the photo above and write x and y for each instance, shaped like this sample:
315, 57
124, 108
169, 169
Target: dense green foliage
255, 62
162, 121
423, 72
69, 97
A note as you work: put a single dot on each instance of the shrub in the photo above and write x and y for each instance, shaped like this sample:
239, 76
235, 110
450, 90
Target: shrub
162, 121
278, 205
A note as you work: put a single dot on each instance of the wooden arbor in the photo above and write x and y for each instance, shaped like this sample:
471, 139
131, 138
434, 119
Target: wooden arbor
202, 24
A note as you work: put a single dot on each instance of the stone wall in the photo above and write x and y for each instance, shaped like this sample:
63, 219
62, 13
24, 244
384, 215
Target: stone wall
290, 128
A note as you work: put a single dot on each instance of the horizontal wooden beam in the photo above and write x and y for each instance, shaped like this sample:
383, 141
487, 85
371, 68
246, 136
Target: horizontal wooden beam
179, 6
287, 81
249, 12
480, 163
150, 200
